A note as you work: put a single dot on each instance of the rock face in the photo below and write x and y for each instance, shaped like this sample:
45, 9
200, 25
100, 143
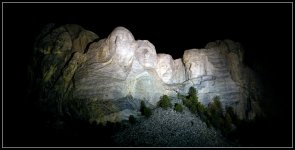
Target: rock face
197, 63
146, 54
165, 68
208, 71
105, 80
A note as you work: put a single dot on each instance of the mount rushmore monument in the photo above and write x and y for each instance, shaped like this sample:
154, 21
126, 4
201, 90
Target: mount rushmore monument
77, 73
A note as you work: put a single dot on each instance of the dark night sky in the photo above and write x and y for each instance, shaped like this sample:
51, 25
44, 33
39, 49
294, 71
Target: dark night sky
172, 28
265, 31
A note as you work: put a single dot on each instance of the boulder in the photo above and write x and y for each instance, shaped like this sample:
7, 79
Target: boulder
58, 52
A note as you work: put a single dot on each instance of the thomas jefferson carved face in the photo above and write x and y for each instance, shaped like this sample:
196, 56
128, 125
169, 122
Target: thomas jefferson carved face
146, 54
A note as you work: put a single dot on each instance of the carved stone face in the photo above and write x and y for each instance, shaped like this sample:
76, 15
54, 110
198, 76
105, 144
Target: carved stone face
165, 67
122, 42
146, 54
116, 53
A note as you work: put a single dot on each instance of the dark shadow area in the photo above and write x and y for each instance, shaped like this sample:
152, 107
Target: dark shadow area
41, 129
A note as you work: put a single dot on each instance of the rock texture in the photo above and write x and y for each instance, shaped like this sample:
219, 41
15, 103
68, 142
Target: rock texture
146, 54
105, 80
165, 68
167, 128
208, 73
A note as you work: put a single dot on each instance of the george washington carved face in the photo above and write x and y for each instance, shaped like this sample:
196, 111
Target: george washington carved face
122, 42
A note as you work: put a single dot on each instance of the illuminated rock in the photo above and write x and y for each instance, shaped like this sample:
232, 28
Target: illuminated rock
179, 71
109, 62
169, 70
165, 68
146, 54
108, 78
196, 63
207, 71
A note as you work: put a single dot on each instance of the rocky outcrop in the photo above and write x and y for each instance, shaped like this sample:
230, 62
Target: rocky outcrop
146, 54
105, 80
58, 53
250, 89
208, 72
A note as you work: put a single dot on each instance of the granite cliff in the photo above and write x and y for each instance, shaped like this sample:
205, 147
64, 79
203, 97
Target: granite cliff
78, 74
